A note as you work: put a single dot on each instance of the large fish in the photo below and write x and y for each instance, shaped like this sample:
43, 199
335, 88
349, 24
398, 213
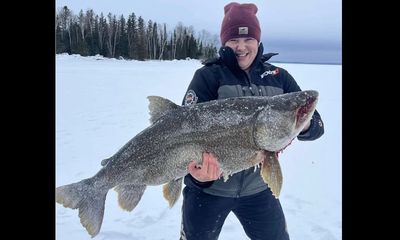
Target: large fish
242, 132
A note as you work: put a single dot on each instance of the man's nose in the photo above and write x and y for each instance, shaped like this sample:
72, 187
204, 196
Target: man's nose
241, 45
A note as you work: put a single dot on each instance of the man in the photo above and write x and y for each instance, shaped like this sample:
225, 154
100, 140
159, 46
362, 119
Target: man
240, 70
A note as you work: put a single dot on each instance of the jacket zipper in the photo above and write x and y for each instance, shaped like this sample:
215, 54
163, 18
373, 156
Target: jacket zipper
248, 80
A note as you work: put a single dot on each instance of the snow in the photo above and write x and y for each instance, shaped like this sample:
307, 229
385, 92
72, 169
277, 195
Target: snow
101, 104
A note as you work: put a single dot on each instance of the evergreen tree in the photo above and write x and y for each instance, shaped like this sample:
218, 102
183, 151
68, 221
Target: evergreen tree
102, 35
96, 47
132, 37
65, 20
149, 39
200, 50
141, 41
122, 42
60, 45
154, 43
192, 47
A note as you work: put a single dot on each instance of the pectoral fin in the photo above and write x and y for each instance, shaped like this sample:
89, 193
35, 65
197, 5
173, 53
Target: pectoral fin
172, 191
271, 172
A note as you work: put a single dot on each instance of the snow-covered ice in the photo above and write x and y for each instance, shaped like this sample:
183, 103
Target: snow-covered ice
101, 104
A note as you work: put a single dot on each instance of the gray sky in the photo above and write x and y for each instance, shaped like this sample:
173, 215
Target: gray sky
310, 22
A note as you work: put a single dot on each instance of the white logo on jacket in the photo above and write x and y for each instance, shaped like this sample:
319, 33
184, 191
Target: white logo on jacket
274, 72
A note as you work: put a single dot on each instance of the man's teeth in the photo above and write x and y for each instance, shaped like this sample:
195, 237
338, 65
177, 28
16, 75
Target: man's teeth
241, 55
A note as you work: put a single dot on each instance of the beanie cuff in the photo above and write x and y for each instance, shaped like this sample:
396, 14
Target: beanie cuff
240, 31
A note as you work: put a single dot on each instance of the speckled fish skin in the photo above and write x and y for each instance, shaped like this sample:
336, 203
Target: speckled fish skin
239, 131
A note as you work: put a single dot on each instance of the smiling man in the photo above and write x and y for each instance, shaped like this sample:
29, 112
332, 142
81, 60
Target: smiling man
245, 49
240, 70
240, 30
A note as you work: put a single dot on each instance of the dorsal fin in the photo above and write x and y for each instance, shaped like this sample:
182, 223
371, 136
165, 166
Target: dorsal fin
158, 106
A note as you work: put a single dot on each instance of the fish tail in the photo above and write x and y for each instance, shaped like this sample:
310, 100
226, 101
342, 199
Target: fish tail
89, 200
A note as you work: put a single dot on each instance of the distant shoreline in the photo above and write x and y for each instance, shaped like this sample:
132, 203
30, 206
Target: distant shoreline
98, 57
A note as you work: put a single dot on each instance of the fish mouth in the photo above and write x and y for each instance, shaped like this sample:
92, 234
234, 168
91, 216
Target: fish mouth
304, 112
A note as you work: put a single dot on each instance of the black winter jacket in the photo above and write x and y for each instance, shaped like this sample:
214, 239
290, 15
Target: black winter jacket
222, 78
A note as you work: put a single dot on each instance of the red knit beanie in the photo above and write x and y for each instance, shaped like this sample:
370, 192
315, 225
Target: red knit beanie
240, 21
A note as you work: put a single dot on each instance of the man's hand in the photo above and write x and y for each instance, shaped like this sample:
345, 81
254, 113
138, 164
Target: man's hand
208, 171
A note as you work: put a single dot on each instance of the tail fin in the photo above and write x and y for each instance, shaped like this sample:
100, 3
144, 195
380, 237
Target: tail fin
88, 199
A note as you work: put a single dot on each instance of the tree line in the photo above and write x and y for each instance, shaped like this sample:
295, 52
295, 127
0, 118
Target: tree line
89, 34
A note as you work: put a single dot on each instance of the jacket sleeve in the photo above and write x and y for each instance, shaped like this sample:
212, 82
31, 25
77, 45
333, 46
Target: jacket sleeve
202, 88
316, 129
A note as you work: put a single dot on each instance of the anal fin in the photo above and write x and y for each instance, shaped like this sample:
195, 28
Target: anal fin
271, 172
129, 195
172, 191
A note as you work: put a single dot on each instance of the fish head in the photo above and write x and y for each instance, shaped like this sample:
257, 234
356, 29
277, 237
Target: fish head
282, 118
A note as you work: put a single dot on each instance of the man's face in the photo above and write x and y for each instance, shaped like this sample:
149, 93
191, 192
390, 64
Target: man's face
245, 49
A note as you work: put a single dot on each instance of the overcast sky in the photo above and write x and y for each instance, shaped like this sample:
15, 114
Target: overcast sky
306, 22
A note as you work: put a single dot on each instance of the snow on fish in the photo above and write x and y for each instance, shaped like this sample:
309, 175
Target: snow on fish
242, 132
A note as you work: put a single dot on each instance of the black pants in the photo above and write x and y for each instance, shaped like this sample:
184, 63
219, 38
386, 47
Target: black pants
203, 215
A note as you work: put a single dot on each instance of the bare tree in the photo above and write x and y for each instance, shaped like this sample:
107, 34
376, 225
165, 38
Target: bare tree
163, 40
89, 21
82, 23
112, 33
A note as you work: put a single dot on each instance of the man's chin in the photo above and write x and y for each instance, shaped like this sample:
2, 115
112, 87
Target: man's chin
243, 67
